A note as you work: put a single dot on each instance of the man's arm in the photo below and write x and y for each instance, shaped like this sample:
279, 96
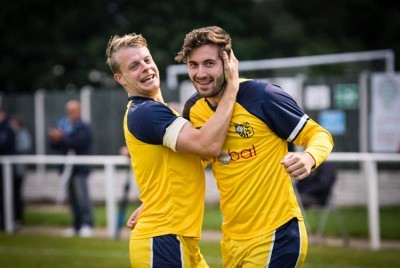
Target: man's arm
208, 140
319, 144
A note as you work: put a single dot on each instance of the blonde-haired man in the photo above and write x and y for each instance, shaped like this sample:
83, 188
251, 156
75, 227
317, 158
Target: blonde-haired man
166, 153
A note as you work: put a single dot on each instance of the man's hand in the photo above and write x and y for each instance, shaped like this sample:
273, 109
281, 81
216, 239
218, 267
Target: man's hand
298, 165
55, 134
231, 70
133, 219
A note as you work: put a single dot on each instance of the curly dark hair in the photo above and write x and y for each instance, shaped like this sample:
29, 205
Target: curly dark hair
211, 35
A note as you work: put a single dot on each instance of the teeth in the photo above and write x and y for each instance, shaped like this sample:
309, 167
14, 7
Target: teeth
148, 78
203, 82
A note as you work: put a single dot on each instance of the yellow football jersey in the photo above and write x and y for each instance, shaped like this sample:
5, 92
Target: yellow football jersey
256, 194
172, 184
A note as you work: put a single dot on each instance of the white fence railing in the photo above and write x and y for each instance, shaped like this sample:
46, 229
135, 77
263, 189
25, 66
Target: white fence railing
368, 160
108, 162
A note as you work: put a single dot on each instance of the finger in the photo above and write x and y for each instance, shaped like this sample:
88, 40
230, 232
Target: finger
300, 173
232, 55
131, 223
286, 158
226, 59
300, 176
131, 219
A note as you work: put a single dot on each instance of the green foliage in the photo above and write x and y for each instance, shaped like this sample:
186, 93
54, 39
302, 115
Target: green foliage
57, 44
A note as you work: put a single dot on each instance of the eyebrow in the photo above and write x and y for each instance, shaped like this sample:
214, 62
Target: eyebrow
132, 63
206, 60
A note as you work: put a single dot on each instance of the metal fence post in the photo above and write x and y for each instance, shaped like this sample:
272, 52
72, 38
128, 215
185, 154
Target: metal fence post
8, 197
371, 175
111, 211
85, 95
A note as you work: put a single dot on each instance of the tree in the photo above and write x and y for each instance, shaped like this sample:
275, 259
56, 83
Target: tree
61, 44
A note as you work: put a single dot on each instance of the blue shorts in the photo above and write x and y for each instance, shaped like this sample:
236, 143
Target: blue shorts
166, 251
285, 247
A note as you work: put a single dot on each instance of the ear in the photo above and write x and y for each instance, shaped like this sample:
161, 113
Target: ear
119, 79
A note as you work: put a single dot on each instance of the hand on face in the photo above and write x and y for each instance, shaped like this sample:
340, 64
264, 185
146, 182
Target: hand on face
231, 70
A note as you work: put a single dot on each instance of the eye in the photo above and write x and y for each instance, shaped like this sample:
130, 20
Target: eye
133, 66
209, 63
192, 65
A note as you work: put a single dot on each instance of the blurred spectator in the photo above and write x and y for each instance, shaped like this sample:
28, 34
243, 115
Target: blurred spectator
23, 145
73, 136
7, 147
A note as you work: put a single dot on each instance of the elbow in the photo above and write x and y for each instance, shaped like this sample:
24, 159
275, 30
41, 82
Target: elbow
212, 151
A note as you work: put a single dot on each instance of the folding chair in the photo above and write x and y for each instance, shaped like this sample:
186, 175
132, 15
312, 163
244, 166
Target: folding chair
316, 191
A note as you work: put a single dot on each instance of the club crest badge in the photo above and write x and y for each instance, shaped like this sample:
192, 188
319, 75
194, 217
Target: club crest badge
244, 130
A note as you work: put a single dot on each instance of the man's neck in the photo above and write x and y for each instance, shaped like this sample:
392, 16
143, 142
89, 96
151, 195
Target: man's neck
156, 96
213, 101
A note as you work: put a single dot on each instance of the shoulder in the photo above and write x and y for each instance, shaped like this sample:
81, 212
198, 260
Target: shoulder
148, 119
256, 90
271, 104
189, 104
147, 109
82, 124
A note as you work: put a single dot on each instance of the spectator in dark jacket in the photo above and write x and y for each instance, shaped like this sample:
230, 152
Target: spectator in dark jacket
73, 136
23, 145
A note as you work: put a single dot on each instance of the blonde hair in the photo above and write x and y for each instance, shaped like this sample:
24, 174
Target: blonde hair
211, 35
116, 43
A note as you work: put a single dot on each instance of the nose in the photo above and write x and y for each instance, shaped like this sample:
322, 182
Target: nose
201, 72
145, 66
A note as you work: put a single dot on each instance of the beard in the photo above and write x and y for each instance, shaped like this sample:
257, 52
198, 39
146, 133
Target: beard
217, 89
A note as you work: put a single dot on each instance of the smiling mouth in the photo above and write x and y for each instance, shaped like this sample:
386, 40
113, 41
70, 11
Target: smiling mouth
148, 78
204, 82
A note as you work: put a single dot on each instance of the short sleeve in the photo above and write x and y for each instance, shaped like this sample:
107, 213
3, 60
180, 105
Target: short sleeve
149, 121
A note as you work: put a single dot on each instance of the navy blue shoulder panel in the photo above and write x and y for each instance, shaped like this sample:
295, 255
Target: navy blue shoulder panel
148, 119
272, 105
189, 104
